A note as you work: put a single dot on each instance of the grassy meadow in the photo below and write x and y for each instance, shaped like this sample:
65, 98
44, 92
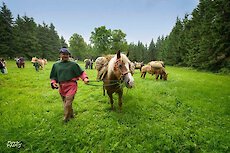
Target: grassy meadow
188, 113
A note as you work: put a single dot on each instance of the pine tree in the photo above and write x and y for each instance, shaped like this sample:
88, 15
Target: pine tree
152, 51
6, 32
63, 42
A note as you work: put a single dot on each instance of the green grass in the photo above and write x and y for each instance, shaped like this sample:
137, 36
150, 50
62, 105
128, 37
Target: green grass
188, 113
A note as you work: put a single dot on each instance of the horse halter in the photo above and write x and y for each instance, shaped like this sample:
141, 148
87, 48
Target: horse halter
120, 66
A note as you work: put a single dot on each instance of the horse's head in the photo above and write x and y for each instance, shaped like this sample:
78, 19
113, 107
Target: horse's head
120, 66
164, 74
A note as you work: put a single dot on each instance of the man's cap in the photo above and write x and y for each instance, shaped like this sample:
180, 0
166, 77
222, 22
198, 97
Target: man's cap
64, 50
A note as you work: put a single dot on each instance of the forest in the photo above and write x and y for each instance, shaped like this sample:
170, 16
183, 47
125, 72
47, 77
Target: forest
200, 40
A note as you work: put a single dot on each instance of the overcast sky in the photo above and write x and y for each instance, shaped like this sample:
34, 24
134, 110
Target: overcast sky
141, 20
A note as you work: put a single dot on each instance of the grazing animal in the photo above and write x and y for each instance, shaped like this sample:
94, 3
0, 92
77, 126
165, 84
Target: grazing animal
87, 63
41, 62
158, 68
155, 67
20, 62
138, 65
145, 69
157, 63
160, 71
118, 72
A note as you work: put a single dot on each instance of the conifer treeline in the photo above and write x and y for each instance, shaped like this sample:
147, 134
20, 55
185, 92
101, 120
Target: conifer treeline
23, 37
201, 39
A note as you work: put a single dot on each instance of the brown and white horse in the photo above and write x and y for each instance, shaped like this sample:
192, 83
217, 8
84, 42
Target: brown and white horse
119, 72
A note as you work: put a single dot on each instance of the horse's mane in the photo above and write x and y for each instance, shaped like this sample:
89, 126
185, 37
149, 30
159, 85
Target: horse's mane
112, 62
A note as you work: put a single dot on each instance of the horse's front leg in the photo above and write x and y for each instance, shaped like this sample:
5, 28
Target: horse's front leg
161, 76
144, 75
111, 100
157, 75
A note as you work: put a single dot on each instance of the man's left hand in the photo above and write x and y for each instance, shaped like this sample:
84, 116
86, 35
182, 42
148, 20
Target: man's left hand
86, 80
